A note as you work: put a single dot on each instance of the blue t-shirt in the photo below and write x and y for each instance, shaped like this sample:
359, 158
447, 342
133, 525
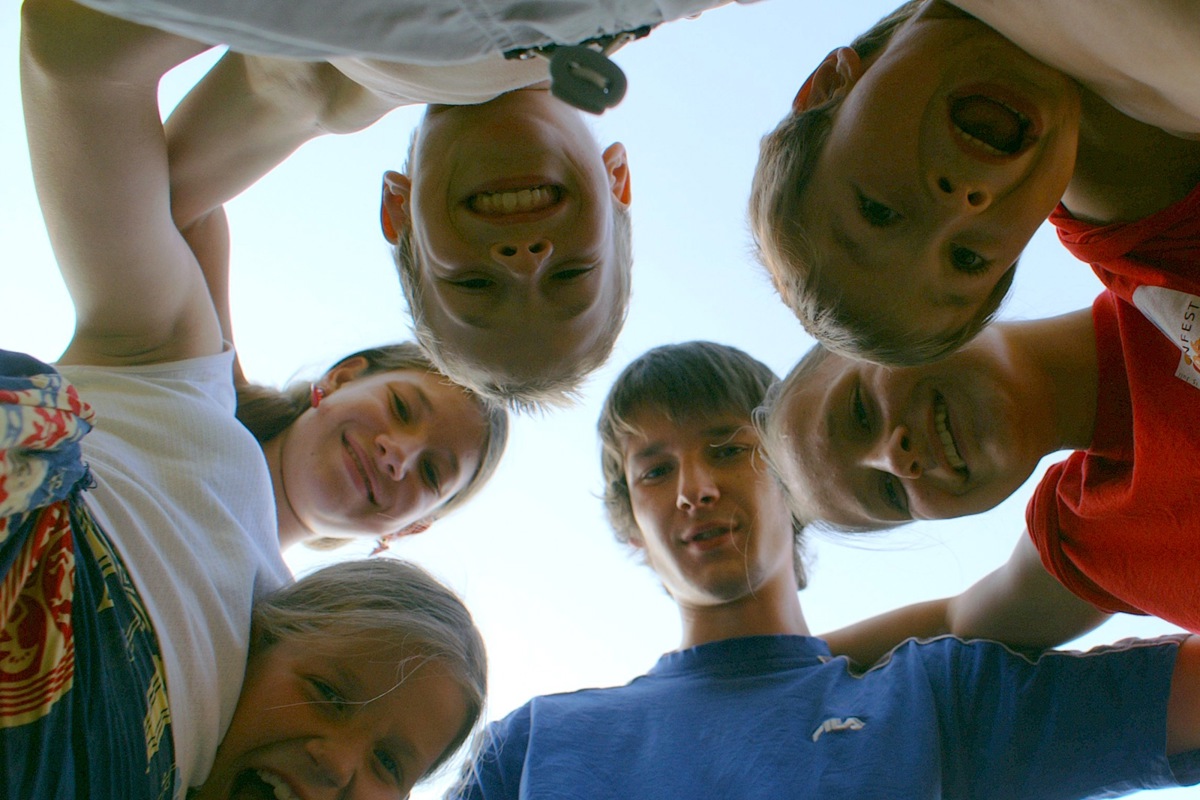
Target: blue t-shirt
777, 717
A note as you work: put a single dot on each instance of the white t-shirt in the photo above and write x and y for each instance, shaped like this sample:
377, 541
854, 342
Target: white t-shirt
412, 31
1142, 56
183, 492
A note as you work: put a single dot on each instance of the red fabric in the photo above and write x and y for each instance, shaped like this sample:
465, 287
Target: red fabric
1160, 250
1119, 523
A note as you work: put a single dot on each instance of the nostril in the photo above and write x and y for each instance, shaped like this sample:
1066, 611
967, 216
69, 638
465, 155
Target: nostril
537, 247
945, 186
976, 198
506, 250
904, 443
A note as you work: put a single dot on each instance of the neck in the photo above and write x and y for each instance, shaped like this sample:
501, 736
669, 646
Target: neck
1126, 170
291, 529
773, 609
1062, 353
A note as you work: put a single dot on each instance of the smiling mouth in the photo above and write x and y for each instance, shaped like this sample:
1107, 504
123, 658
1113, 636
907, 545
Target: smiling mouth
257, 784
515, 201
991, 125
362, 470
941, 422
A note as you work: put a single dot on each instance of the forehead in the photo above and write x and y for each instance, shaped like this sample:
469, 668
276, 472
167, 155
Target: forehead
804, 442
651, 430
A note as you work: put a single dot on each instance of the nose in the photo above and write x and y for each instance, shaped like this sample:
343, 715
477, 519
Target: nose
967, 195
895, 454
333, 760
697, 488
395, 455
524, 255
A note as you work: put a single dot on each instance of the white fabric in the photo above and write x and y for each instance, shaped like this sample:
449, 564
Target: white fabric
455, 84
1142, 56
183, 491
426, 32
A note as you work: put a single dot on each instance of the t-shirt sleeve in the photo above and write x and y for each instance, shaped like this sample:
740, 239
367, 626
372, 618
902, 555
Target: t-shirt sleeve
494, 770
1063, 725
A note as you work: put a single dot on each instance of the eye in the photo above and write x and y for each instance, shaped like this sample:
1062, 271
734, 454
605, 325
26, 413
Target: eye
859, 409
474, 284
730, 450
431, 475
654, 473
968, 261
389, 765
894, 494
875, 213
400, 408
571, 274
327, 696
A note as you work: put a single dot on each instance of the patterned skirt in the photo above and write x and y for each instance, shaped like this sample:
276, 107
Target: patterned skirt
83, 699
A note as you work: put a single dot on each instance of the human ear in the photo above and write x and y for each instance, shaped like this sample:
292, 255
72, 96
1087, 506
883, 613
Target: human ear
342, 372
835, 76
616, 164
394, 215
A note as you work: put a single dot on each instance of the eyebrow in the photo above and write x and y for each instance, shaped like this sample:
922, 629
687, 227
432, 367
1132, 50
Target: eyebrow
451, 457
855, 486
424, 398
713, 432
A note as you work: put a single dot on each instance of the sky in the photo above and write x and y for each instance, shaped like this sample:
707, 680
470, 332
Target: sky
561, 605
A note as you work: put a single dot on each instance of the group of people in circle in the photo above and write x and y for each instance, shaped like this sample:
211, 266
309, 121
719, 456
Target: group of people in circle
154, 642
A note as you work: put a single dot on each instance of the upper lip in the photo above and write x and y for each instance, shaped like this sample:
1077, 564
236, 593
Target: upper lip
365, 468
710, 524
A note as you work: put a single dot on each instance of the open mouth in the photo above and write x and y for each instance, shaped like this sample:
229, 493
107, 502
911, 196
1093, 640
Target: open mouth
991, 125
941, 422
257, 784
515, 201
710, 533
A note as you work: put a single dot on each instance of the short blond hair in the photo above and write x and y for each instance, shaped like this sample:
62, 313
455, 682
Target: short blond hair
555, 388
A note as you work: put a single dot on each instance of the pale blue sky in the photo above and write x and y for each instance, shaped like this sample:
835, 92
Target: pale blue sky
561, 605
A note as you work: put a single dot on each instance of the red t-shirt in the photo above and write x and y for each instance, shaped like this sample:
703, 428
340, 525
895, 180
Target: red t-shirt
1119, 523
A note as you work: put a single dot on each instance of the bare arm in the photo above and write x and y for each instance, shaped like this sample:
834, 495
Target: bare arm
246, 116
1019, 604
238, 123
1183, 705
89, 85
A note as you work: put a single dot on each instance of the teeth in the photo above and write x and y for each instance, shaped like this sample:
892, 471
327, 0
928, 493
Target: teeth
943, 430
517, 200
980, 143
282, 790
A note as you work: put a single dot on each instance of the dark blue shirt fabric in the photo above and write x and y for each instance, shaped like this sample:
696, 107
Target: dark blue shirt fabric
777, 717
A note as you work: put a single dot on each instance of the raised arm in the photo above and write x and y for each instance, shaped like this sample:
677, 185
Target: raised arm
1019, 604
89, 85
238, 123
246, 116
1183, 706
